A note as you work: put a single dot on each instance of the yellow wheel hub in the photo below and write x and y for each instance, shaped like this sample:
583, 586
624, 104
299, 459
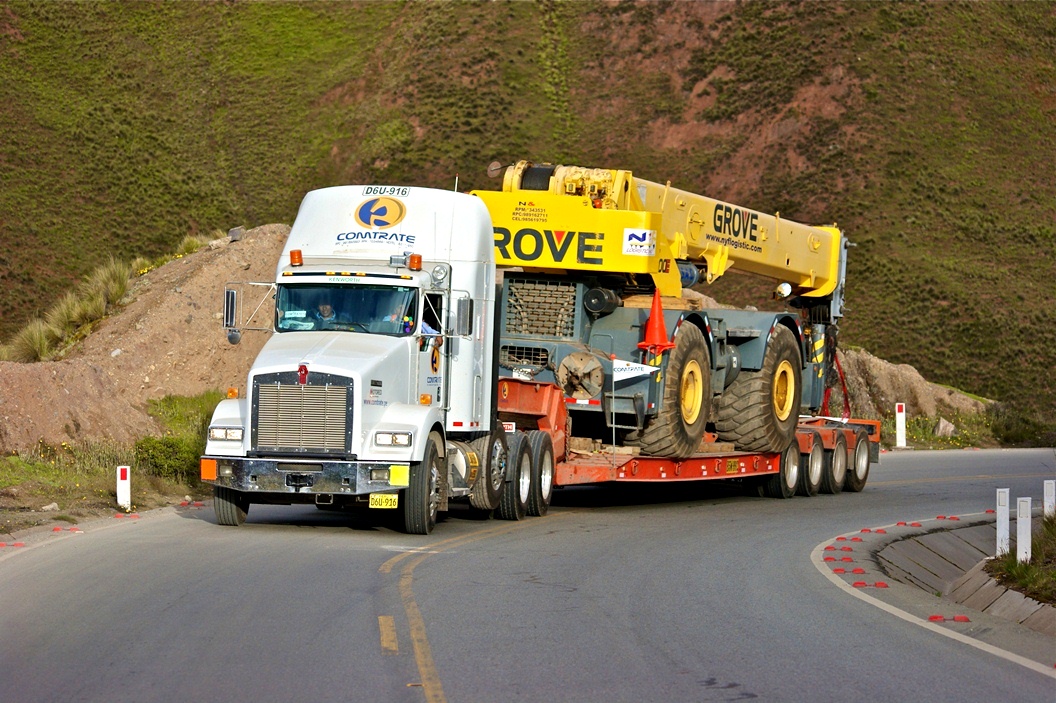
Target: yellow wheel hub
784, 390
691, 393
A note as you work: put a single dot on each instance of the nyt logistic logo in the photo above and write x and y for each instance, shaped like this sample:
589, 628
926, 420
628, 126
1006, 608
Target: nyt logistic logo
380, 213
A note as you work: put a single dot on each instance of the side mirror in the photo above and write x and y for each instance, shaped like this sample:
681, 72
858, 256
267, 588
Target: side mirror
464, 317
234, 335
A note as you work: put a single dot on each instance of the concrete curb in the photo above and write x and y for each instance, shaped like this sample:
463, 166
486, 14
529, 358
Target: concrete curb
949, 563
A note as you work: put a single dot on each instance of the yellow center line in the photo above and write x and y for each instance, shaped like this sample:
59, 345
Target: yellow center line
423, 654
387, 627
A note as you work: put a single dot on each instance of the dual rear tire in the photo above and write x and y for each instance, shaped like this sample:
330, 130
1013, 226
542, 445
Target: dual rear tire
530, 483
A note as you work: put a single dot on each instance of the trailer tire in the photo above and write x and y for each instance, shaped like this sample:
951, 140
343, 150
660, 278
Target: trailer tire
758, 412
421, 499
677, 430
515, 493
230, 507
858, 472
811, 467
783, 484
493, 454
542, 491
835, 473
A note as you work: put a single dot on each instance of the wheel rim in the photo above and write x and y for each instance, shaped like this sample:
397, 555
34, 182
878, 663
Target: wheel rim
815, 466
692, 392
546, 476
784, 390
792, 467
434, 490
498, 466
524, 479
861, 460
839, 463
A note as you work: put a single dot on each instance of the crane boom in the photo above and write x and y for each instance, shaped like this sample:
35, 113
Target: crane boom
571, 217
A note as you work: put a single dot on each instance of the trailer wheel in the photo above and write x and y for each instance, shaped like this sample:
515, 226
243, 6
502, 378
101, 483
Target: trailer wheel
493, 454
835, 472
677, 430
230, 507
514, 502
758, 412
421, 498
783, 484
811, 466
542, 448
858, 474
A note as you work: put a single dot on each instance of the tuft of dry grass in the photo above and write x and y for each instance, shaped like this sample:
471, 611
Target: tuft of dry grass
34, 342
63, 315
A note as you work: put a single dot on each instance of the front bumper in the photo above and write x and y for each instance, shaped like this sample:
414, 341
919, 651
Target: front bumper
278, 475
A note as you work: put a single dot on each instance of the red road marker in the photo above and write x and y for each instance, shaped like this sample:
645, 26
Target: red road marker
858, 570
847, 559
881, 531
990, 510
859, 584
866, 529
881, 584
830, 548
936, 618
856, 539
900, 523
839, 570
940, 517
961, 618
915, 524
56, 529
846, 549
829, 559
953, 517
841, 539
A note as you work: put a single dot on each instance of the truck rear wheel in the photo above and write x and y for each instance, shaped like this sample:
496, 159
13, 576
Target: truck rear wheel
783, 484
835, 472
493, 454
677, 430
230, 507
421, 498
542, 448
758, 412
514, 502
811, 466
858, 472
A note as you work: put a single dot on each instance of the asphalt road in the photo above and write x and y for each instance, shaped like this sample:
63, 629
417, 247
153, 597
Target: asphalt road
682, 593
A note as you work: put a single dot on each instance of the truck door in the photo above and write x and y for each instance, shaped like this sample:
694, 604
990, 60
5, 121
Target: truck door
432, 352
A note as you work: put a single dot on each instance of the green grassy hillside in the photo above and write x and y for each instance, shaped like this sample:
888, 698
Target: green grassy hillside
927, 131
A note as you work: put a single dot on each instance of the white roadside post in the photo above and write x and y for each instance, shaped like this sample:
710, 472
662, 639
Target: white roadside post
124, 487
1023, 531
1002, 521
900, 425
1050, 498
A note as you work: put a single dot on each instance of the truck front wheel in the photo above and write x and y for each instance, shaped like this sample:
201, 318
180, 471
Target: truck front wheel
421, 499
678, 428
230, 507
493, 455
760, 409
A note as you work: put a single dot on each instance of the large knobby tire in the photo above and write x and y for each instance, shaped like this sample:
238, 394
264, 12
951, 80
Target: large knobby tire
230, 506
835, 470
542, 448
678, 428
784, 483
514, 502
811, 466
492, 453
858, 471
421, 499
758, 412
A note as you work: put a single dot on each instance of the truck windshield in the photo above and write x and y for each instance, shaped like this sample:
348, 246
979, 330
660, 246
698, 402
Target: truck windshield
377, 309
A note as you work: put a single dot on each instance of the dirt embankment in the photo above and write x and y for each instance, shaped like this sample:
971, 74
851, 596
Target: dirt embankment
168, 340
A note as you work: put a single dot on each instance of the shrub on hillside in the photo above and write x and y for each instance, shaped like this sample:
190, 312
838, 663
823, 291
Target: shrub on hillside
34, 342
174, 458
1016, 427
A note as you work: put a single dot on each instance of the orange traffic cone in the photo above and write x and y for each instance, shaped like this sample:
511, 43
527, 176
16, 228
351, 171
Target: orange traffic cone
656, 340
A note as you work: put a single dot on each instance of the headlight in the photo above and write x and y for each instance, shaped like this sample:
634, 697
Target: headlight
392, 439
230, 434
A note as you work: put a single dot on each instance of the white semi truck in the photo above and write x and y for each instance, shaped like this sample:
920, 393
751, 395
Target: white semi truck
388, 398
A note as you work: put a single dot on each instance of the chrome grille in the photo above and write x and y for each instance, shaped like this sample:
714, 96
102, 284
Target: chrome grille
312, 418
538, 307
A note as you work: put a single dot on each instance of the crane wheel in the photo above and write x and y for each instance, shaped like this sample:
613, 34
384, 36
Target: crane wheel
758, 412
677, 430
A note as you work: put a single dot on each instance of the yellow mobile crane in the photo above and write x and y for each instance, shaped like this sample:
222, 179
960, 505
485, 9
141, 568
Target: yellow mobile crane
580, 245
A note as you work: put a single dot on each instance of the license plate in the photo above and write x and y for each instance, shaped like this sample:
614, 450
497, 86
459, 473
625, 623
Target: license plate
384, 500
